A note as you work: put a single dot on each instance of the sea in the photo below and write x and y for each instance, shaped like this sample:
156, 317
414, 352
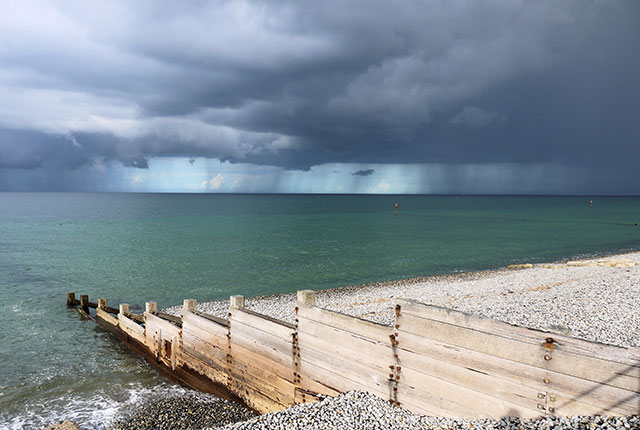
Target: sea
132, 248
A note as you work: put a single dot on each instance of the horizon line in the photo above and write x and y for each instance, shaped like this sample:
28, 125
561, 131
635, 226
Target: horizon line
325, 194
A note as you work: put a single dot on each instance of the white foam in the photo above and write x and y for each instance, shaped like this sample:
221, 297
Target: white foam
96, 412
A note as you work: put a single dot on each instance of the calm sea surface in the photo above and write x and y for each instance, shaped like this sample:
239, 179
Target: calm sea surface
167, 247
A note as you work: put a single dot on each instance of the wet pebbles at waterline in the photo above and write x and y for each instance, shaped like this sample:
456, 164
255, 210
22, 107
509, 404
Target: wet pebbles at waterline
187, 410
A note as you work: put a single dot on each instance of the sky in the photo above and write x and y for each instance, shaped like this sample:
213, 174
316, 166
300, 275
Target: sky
359, 96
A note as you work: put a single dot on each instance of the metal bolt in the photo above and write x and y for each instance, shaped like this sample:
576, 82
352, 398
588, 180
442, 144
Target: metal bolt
547, 357
546, 381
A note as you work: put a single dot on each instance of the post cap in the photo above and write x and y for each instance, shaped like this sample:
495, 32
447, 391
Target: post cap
236, 302
306, 297
189, 305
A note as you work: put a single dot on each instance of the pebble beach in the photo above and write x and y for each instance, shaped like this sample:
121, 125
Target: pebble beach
595, 299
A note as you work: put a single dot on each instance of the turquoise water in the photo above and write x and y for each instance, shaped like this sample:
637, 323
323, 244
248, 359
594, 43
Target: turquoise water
167, 247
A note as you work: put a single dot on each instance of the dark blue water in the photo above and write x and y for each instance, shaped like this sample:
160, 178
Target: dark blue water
166, 247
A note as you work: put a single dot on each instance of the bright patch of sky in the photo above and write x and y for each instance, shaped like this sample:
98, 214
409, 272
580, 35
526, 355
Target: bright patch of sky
202, 175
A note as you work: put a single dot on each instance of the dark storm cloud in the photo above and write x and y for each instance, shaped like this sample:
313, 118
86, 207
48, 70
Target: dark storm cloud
31, 149
367, 172
301, 84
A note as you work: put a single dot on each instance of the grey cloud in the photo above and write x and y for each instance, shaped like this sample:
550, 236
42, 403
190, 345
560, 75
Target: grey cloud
298, 85
367, 172
473, 117
31, 150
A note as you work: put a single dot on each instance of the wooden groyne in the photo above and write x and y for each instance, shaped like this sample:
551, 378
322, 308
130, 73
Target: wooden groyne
432, 361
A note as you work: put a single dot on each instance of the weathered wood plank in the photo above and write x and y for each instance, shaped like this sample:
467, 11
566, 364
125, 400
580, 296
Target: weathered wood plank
206, 324
280, 343
216, 339
105, 316
201, 363
319, 387
140, 337
131, 328
261, 377
276, 351
123, 321
255, 399
243, 355
262, 322
609, 399
333, 381
357, 326
488, 325
504, 389
277, 389
215, 354
363, 348
244, 379
478, 381
420, 410
367, 376
213, 318
421, 402
492, 406
168, 329
597, 370
169, 317
135, 317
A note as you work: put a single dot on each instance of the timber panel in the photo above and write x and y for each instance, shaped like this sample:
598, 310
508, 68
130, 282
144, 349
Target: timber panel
131, 328
508, 370
205, 346
262, 360
339, 353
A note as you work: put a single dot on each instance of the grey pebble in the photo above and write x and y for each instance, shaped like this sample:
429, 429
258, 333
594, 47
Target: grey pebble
186, 410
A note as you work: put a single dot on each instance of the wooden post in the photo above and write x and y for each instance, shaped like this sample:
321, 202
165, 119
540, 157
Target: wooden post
236, 302
306, 297
189, 305
158, 343
84, 302
174, 351
102, 303
151, 307
71, 299
124, 308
